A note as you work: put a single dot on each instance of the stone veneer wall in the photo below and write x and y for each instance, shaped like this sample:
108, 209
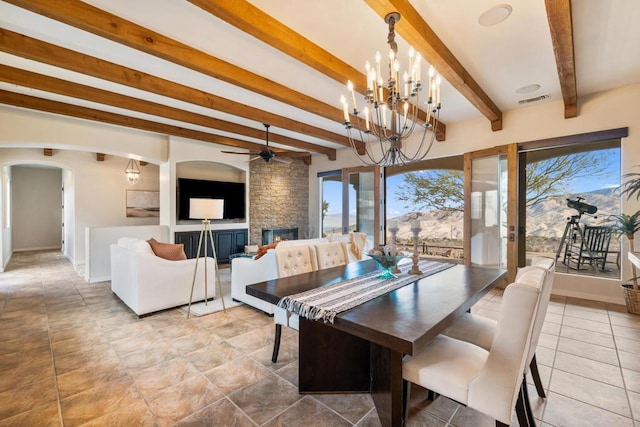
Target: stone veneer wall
278, 197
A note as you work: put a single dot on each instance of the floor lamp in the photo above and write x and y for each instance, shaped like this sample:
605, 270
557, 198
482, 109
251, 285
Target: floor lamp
206, 209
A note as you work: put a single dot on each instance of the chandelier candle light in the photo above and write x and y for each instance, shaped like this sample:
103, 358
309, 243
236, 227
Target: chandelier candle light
391, 116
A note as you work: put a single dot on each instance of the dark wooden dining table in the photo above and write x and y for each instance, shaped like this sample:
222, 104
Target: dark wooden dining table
362, 350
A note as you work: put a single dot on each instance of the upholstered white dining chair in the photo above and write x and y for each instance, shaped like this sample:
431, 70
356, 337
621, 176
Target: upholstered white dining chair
490, 381
479, 330
331, 254
290, 261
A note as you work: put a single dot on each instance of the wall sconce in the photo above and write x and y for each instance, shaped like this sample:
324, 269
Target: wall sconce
132, 171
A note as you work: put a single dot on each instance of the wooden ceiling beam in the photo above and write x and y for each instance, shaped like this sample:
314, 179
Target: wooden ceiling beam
62, 87
47, 152
89, 18
40, 104
100, 157
419, 34
37, 50
560, 24
248, 18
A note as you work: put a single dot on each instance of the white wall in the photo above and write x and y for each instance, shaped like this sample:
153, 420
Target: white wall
608, 110
36, 208
97, 195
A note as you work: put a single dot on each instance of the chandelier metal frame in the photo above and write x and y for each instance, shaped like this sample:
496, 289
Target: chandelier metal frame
384, 132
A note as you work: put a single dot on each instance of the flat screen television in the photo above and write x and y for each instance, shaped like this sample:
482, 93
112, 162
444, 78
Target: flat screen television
233, 194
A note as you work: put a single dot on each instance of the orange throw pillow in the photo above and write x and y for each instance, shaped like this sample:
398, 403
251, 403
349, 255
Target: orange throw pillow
263, 249
170, 251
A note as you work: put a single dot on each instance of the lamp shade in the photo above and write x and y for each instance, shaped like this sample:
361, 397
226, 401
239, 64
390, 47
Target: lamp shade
206, 208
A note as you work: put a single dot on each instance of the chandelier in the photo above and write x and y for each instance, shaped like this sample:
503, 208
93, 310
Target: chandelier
390, 116
132, 171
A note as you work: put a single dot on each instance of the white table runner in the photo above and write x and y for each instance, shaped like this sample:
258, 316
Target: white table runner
326, 302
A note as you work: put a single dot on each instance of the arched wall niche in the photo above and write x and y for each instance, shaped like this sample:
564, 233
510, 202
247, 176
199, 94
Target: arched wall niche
210, 171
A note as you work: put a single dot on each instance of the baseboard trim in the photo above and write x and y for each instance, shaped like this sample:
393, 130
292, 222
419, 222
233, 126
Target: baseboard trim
587, 296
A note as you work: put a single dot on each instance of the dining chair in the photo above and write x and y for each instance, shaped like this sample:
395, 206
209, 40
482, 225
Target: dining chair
489, 381
479, 330
289, 262
331, 254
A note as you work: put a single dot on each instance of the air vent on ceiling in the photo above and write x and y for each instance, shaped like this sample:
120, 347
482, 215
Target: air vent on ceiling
534, 99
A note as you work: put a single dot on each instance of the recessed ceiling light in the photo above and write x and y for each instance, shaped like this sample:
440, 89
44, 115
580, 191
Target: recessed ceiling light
495, 15
528, 88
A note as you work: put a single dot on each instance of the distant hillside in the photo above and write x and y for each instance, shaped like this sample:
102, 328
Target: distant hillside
546, 219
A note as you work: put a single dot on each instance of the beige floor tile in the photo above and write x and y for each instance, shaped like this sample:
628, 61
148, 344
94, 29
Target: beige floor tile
545, 356
632, 379
551, 328
28, 397
180, 400
589, 368
160, 377
589, 391
589, 325
98, 401
626, 332
308, 411
605, 340
260, 403
581, 313
625, 344
79, 380
548, 340
213, 355
590, 351
634, 400
352, 407
567, 412
253, 340
42, 416
220, 413
552, 317
289, 373
629, 360
237, 374
287, 354
138, 414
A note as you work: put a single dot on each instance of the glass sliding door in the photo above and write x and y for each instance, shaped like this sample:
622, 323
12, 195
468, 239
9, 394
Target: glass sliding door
361, 202
330, 203
491, 211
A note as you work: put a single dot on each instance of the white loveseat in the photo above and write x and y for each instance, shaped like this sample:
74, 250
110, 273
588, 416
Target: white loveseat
148, 283
247, 271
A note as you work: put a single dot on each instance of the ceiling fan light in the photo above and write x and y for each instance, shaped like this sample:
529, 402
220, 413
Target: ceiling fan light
495, 15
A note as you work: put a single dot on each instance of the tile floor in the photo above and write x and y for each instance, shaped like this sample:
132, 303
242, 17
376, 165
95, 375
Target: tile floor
73, 354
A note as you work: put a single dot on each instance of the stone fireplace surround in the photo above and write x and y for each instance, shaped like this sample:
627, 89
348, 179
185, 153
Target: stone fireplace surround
278, 198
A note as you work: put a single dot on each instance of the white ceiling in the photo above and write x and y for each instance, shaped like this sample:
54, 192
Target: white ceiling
502, 58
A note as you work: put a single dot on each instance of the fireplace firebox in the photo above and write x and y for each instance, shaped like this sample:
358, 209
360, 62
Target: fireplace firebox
270, 235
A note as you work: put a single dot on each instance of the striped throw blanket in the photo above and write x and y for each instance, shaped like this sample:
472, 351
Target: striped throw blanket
326, 302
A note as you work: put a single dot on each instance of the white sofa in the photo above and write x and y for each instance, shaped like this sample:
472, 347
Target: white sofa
247, 271
148, 283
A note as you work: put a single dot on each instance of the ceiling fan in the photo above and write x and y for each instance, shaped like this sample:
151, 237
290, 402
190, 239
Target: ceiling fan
266, 154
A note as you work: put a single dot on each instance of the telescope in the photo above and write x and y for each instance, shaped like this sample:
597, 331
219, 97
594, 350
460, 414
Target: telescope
581, 207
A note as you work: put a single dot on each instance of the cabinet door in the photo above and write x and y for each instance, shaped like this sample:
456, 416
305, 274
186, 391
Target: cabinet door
241, 238
224, 245
190, 241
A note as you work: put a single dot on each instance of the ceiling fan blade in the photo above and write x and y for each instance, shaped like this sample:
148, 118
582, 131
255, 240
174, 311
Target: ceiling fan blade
281, 159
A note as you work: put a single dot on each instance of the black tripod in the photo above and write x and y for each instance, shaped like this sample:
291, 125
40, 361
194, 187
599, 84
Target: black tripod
571, 231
